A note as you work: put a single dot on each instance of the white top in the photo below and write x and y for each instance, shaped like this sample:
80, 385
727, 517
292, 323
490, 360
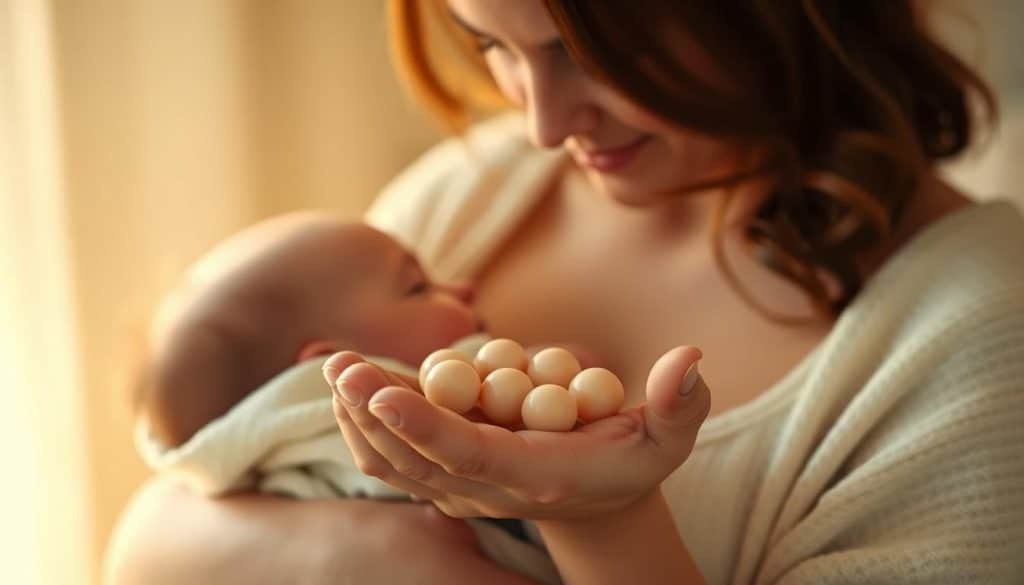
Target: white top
282, 439
892, 453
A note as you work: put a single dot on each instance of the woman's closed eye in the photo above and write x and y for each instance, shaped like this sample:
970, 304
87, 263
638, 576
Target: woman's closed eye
419, 288
485, 44
555, 48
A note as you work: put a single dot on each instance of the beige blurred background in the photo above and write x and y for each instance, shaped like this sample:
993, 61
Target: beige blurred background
133, 134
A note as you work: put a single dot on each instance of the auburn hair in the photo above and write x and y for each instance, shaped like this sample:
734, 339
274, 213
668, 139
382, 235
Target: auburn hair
852, 100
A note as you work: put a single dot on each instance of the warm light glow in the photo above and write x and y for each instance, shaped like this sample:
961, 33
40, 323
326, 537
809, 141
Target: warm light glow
45, 536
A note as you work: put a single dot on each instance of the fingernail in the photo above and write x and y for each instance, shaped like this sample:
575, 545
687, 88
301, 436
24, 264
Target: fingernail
386, 414
689, 380
331, 375
350, 396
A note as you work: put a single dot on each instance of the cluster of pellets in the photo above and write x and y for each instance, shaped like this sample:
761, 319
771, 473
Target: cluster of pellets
548, 392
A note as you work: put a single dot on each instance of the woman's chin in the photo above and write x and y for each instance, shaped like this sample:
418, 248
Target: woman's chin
631, 200
623, 191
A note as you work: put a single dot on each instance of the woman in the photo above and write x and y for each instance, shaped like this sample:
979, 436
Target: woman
753, 179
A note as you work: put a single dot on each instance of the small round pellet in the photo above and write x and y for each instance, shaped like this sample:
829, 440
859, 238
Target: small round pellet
438, 357
497, 354
553, 366
598, 393
549, 407
453, 384
502, 395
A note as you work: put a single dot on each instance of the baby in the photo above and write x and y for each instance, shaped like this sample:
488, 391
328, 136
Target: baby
252, 314
281, 292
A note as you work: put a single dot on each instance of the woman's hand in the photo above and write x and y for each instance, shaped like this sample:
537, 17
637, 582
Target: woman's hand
475, 469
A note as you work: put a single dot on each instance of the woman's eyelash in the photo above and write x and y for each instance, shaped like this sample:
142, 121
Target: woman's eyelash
419, 287
484, 44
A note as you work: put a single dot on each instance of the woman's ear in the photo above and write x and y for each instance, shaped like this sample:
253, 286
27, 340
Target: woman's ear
320, 347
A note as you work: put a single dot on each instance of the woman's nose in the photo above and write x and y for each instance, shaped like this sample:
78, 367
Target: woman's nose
557, 107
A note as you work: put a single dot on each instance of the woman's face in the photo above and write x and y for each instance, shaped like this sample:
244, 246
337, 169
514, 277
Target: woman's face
626, 152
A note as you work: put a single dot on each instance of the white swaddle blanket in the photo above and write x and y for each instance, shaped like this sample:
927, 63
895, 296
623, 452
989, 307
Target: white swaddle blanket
283, 439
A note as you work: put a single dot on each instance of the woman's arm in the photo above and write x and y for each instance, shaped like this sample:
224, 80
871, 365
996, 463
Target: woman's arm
159, 538
640, 542
170, 535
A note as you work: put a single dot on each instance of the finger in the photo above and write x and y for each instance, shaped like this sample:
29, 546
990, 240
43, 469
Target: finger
371, 463
337, 363
361, 382
678, 400
481, 452
400, 379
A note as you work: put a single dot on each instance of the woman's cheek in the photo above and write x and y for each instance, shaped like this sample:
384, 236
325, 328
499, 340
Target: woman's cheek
634, 116
504, 71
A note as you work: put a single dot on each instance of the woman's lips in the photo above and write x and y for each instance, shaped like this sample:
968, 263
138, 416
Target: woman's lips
611, 159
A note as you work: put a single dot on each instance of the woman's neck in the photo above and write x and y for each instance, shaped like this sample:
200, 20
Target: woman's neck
933, 199
683, 226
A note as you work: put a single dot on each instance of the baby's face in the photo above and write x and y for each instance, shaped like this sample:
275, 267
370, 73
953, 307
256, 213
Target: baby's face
335, 284
391, 307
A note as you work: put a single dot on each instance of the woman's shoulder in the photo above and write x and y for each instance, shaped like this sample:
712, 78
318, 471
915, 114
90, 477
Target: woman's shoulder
955, 262
946, 313
941, 323
959, 282
910, 417
485, 178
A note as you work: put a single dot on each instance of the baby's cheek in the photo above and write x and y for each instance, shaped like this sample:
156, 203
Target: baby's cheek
444, 325
413, 335
393, 334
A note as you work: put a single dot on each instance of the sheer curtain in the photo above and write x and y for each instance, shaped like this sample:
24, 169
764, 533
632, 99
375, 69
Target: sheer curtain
46, 493
133, 134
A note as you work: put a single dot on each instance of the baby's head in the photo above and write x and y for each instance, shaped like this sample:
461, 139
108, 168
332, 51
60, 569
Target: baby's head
282, 291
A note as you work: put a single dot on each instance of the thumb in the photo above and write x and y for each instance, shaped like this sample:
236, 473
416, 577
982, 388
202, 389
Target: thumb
673, 418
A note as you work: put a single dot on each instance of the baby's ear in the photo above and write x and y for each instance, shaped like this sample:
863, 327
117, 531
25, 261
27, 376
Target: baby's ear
319, 347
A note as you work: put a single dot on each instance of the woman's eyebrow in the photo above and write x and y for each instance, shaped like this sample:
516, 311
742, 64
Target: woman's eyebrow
554, 44
469, 28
